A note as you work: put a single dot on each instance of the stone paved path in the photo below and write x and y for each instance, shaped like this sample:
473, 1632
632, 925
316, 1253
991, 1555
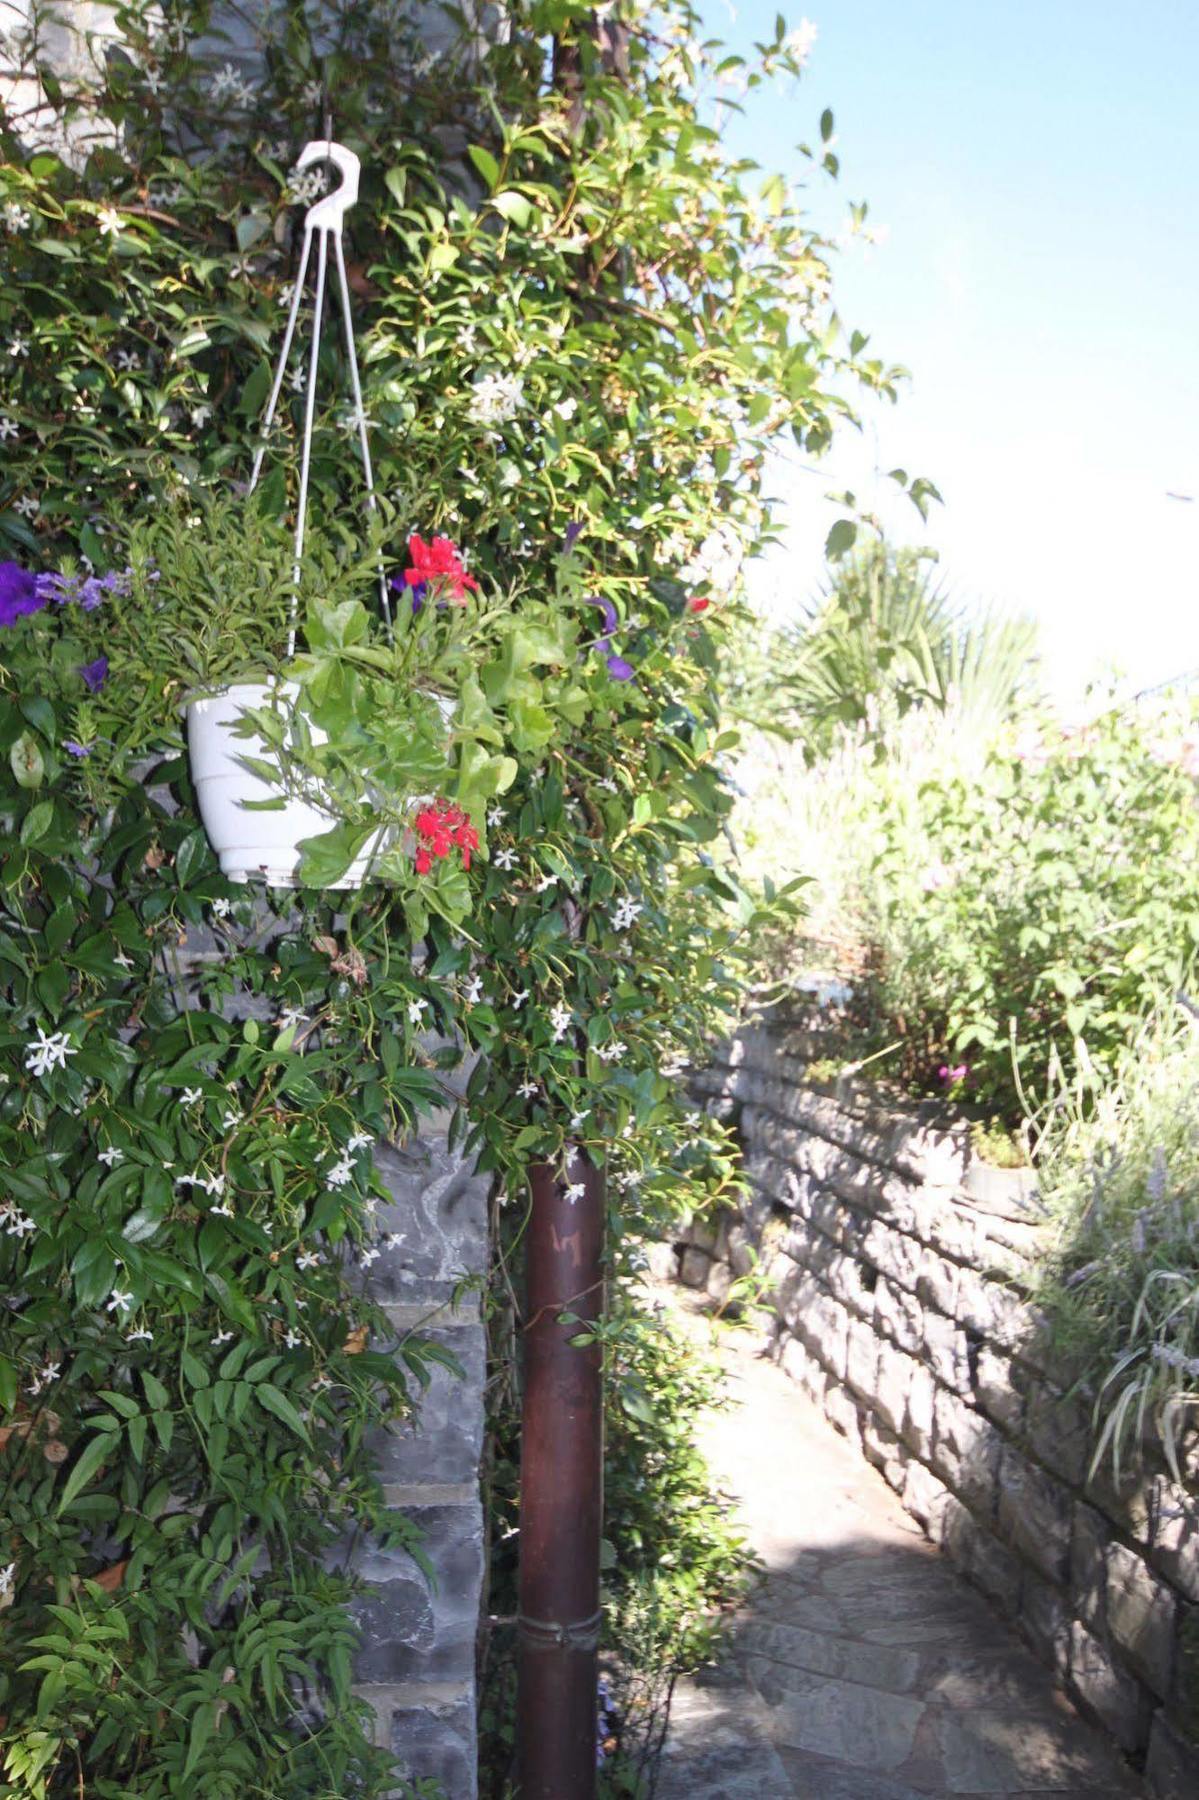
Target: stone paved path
863, 1667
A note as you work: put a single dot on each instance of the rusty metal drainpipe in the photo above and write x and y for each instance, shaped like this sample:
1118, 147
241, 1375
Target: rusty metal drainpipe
561, 1491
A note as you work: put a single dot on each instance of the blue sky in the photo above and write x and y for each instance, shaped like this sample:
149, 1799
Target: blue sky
1035, 169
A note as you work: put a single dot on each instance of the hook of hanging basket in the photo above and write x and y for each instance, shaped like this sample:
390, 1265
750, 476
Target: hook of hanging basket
327, 214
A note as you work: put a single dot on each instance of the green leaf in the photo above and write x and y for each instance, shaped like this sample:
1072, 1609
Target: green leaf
486, 164
840, 539
277, 1403
90, 1460
26, 762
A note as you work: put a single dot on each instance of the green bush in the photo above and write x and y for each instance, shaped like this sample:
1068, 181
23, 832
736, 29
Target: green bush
1045, 902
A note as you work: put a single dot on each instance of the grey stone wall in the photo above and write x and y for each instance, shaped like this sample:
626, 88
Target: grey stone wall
416, 1662
896, 1266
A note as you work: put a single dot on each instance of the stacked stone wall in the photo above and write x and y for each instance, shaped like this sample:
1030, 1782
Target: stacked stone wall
897, 1269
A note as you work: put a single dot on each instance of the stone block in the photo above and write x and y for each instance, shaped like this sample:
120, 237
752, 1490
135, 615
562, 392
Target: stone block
1089, 1540
994, 1392
861, 1359
1009, 1193
925, 1497
443, 1439
436, 1743
981, 1557
694, 1266
1045, 1621
1141, 1618
883, 1449
1058, 1431
898, 1315
1109, 1693
895, 1375
1174, 1535
1034, 1515
413, 1633
841, 1411
1172, 1767
824, 1328
947, 1352
965, 1452
439, 1213
917, 1429
937, 1283
720, 1280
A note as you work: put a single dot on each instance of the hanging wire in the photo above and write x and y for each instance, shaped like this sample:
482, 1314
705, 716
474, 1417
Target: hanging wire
324, 220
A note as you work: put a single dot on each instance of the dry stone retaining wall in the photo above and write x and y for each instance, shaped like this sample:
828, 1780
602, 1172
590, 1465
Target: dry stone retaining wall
896, 1266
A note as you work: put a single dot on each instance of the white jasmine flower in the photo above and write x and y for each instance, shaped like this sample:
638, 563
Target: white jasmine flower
566, 409
8, 1576
495, 815
613, 1052
361, 1140
527, 1089
222, 1337
18, 346
190, 1096
19, 1224
309, 1260
200, 415
128, 360
296, 379
45, 1377
231, 1119
223, 1211
109, 221
496, 399
46, 1053
15, 218
625, 914
547, 881
8, 427
472, 993
576, 1119
305, 185
221, 908
415, 1009
560, 1022
292, 1016
140, 1336
574, 1192
339, 1173
368, 1257
111, 1156
504, 859
240, 268
518, 1000
608, 785
371, 1205
122, 961
395, 1240
322, 1382
120, 1301
284, 296
27, 506
292, 1339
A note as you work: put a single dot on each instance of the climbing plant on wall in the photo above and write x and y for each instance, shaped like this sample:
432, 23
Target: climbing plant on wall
578, 345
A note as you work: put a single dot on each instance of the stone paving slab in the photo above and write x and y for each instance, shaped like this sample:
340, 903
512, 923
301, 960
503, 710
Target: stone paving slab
863, 1667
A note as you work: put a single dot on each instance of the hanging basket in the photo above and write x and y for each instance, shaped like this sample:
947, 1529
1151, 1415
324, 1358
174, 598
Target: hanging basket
249, 842
252, 843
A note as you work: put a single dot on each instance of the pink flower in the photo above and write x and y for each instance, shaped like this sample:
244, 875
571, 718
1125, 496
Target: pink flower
951, 1076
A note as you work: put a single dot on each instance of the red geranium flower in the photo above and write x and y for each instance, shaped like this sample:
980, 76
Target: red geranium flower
440, 828
698, 604
440, 566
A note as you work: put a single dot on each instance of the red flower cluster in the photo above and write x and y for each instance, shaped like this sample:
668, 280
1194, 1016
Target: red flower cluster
439, 827
697, 603
439, 565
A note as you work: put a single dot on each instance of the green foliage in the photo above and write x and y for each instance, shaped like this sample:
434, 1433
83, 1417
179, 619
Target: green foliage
574, 309
882, 641
1121, 1175
1047, 902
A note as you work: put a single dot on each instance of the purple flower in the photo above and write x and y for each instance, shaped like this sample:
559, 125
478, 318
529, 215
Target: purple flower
95, 674
86, 591
574, 532
609, 611
74, 749
19, 593
400, 587
620, 670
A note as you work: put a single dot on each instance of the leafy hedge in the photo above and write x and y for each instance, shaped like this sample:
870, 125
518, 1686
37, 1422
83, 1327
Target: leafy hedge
575, 313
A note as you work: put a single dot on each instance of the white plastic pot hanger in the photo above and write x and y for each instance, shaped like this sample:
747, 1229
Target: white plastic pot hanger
324, 220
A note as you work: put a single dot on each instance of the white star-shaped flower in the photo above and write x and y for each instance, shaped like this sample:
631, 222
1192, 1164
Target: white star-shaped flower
109, 221
292, 1339
576, 1119
48, 1052
18, 346
221, 908
8, 427
518, 1000
191, 1096
121, 1301
472, 993
527, 1089
339, 1173
560, 1022
112, 1156
128, 360
361, 1140
547, 881
222, 1337
309, 1260
415, 1009
292, 1016
574, 1192
231, 1119
368, 1257
200, 415
495, 816
27, 506
15, 218
505, 859
140, 1336
395, 1240
612, 1052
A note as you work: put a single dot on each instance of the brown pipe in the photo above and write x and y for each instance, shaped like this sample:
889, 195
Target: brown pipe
561, 1491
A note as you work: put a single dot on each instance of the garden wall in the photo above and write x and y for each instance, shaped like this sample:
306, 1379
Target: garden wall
896, 1268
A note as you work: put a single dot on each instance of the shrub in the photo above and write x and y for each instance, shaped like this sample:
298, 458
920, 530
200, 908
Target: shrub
1050, 900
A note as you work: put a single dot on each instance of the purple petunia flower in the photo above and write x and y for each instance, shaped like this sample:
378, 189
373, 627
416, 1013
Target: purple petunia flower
19, 593
573, 533
95, 674
609, 611
400, 587
619, 669
74, 749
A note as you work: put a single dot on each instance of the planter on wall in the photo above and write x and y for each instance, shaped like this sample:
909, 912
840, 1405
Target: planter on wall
251, 843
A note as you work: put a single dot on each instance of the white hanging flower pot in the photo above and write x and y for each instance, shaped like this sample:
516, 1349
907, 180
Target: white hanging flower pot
249, 842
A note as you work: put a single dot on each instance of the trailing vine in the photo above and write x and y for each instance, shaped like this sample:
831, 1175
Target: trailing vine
582, 326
